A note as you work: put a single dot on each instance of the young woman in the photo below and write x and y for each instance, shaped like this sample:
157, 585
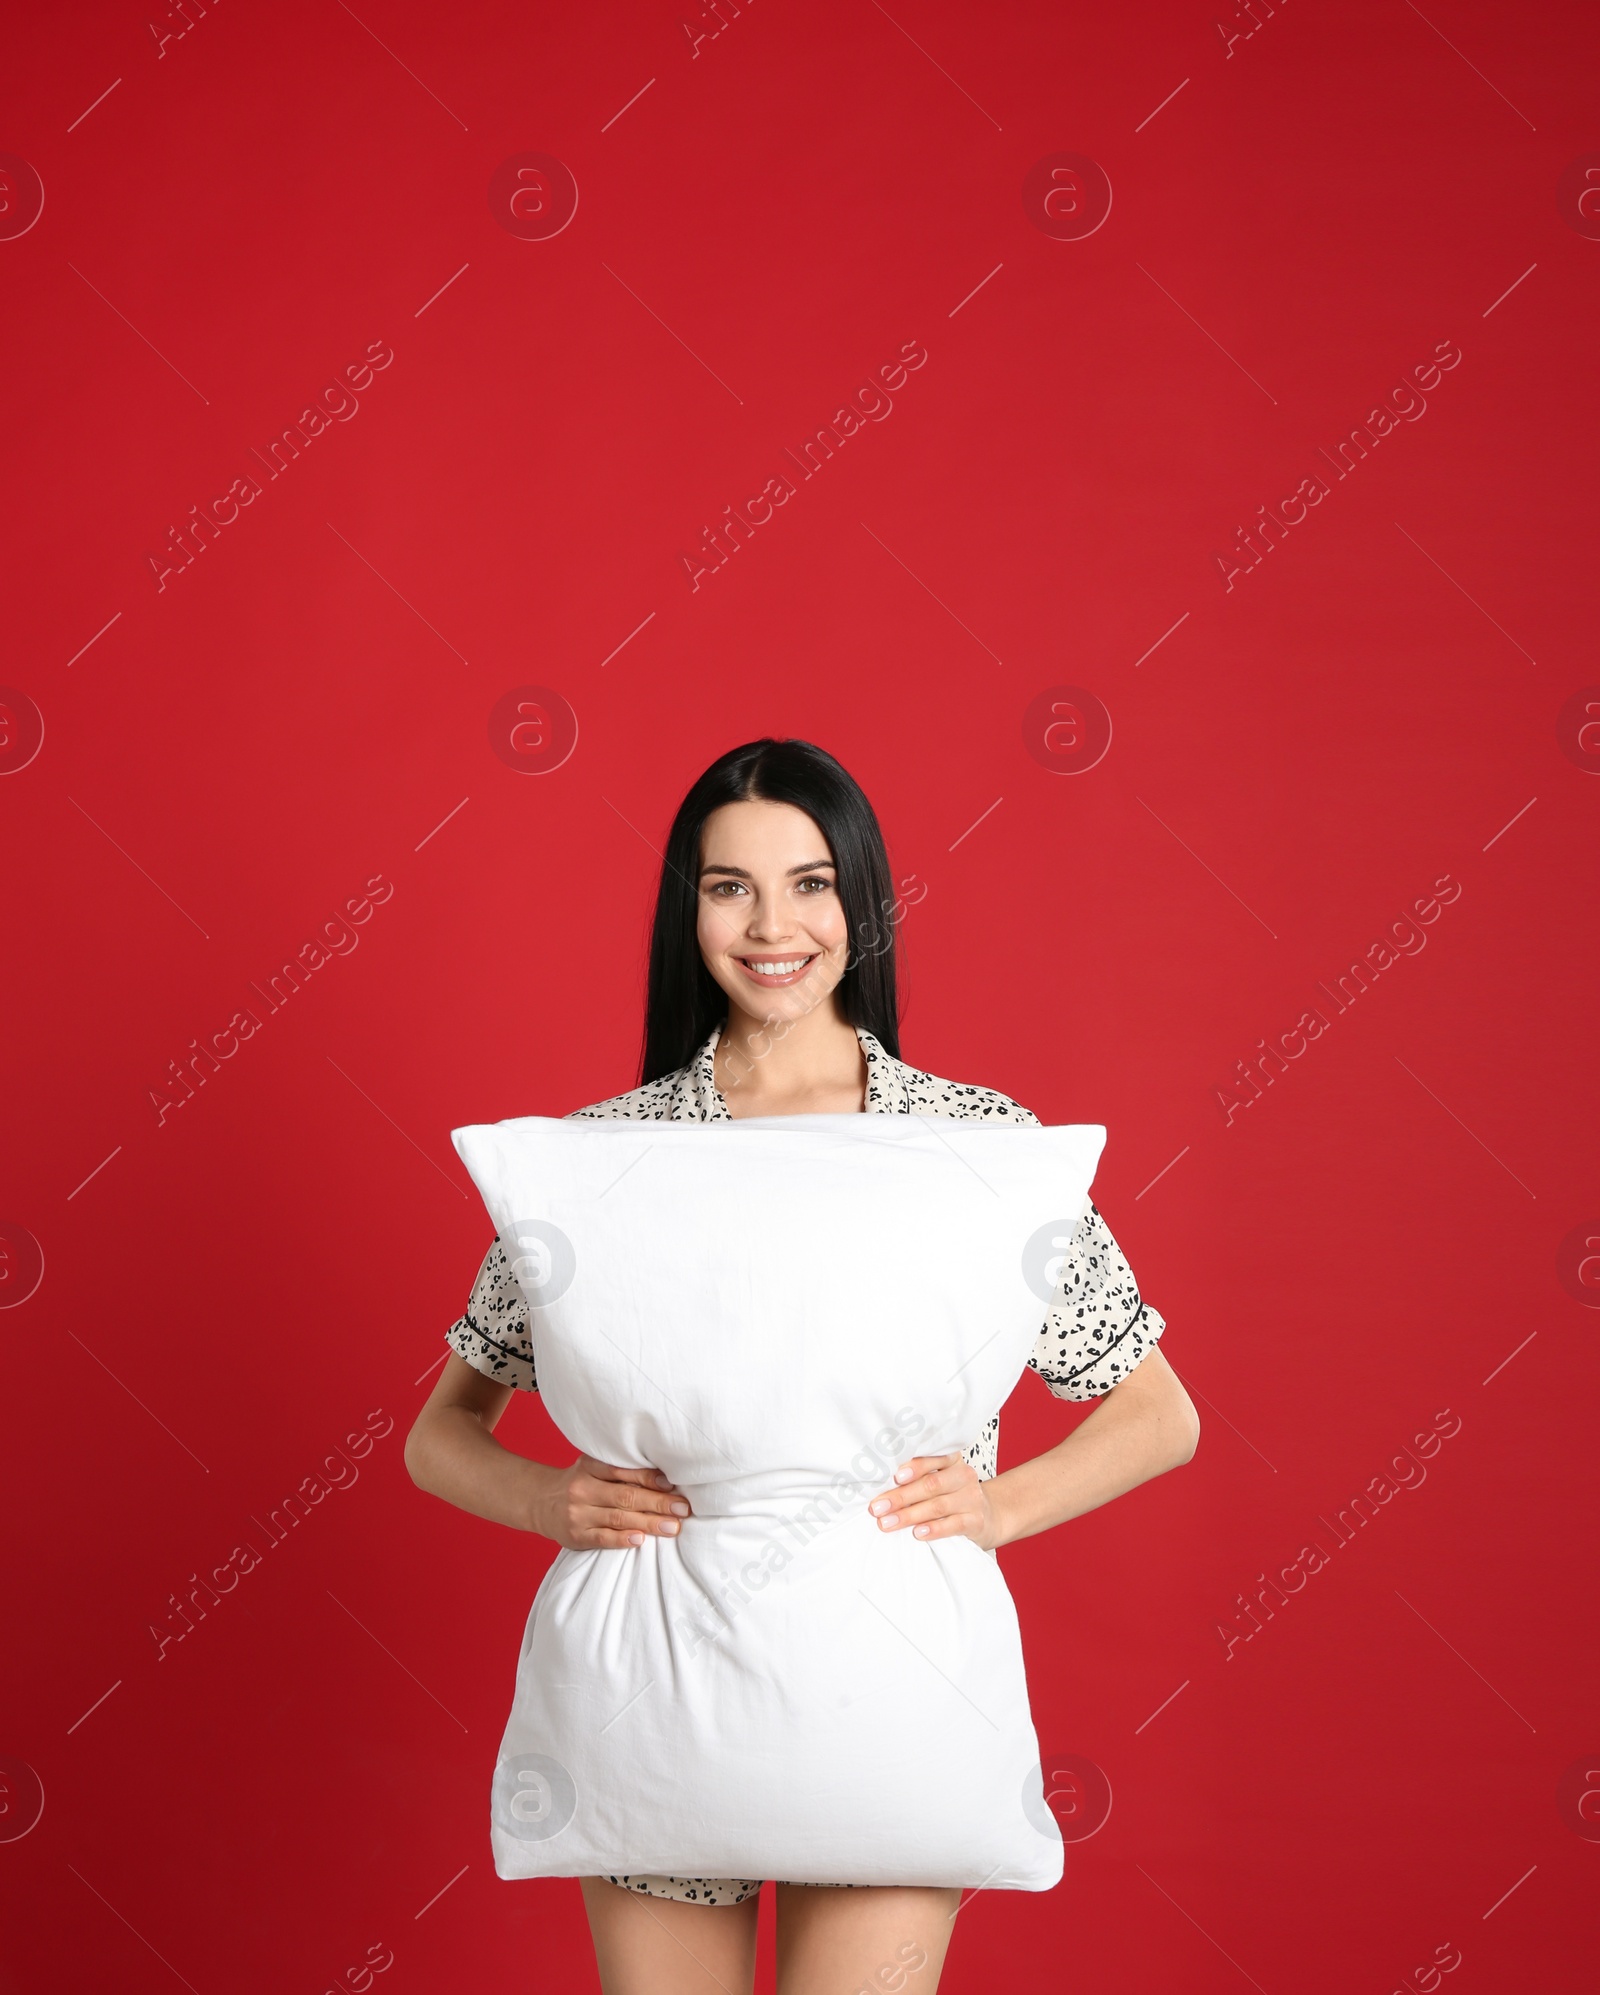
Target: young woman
772, 992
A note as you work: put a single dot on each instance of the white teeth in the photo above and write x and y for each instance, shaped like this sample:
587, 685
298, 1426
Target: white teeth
778, 969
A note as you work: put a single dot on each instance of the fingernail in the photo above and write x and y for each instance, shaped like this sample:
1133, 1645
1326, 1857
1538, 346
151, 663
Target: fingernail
920, 1532
668, 1526
635, 1537
680, 1509
903, 1475
879, 1507
890, 1523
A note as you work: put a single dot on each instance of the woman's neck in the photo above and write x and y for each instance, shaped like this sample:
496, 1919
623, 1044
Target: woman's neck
813, 1064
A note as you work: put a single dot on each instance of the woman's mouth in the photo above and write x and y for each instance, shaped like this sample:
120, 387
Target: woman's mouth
770, 970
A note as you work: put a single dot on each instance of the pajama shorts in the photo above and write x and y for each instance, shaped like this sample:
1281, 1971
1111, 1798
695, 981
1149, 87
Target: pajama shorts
704, 1890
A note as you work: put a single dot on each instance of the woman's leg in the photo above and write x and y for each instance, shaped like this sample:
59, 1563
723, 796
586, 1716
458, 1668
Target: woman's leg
873, 1940
645, 1945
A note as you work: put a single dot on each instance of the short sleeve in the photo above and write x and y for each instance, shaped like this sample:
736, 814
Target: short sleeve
1099, 1325
494, 1335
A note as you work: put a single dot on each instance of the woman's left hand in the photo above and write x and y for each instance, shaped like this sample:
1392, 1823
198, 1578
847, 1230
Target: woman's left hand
938, 1496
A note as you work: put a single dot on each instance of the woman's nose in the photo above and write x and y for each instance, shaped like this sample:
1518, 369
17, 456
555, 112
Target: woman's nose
769, 922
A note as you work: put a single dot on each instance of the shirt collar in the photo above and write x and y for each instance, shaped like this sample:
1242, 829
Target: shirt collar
697, 1097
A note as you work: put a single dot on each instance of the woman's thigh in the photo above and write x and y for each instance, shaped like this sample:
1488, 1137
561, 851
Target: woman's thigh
874, 1940
665, 1946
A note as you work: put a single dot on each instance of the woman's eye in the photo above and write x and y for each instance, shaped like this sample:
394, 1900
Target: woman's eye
815, 881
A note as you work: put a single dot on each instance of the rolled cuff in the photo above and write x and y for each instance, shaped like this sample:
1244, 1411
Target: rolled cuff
507, 1367
1104, 1365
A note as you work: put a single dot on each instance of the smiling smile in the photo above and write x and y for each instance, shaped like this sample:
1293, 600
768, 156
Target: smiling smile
776, 969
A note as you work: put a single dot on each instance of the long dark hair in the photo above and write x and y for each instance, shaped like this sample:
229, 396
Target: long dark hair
685, 1001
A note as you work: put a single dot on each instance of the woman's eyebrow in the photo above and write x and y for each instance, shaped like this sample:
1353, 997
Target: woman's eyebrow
812, 867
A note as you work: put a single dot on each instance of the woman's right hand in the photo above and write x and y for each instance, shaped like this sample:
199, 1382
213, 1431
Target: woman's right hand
595, 1506
451, 1452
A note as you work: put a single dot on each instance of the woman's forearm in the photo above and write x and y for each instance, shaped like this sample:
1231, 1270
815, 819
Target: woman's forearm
452, 1455
1127, 1439
589, 1505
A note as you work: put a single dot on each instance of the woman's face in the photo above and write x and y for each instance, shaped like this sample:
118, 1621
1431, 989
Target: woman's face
769, 895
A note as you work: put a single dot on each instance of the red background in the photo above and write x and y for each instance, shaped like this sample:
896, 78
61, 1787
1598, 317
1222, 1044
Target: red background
234, 755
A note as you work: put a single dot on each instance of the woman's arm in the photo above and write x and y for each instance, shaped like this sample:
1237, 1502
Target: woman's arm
451, 1452
1145, 1425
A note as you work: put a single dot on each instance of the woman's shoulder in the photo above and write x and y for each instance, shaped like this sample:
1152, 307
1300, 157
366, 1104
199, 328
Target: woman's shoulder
653, 1102
932, 1094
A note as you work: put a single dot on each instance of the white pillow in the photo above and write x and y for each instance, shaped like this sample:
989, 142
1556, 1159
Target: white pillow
776, 1312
